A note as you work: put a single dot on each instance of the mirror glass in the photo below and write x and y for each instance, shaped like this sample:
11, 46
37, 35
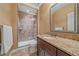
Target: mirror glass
63, 17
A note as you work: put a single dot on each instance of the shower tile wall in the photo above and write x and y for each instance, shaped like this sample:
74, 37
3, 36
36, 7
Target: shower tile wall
26, 27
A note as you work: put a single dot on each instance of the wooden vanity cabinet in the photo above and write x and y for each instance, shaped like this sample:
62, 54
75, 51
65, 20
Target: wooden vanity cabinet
46, 49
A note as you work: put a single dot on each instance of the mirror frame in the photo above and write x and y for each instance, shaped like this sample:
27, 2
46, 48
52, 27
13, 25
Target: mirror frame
75, 14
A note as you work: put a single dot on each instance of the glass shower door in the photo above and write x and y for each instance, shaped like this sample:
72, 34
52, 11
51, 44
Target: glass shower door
26, 27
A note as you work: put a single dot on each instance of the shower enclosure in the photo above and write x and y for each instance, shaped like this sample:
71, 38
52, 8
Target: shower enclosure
27, 28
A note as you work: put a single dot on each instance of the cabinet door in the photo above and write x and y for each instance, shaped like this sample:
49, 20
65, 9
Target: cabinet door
48, 48
51, 50
61, 53
46, 53
41, 52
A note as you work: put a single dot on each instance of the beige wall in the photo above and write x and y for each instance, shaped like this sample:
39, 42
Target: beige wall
59, 18
8, 17
44, 19
5, 14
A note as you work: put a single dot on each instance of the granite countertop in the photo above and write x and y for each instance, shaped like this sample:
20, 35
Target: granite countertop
68, 45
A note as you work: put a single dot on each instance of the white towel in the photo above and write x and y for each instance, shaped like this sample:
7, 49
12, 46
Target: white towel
7, 38
59, 28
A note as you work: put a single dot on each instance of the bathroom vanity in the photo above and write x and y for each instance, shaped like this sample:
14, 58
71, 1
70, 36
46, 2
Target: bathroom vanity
46, 49
56, 46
